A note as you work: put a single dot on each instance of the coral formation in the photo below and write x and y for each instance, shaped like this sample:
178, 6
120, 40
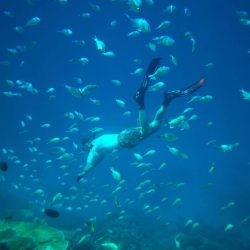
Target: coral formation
16, 235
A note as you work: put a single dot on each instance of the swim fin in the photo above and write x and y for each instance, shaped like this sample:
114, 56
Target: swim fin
152, 67
140, 93
170, 95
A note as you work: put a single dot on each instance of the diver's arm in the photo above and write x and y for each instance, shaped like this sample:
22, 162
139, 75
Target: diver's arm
93, 159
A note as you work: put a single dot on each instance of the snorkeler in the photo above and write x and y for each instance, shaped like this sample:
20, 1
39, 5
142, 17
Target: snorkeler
131, 137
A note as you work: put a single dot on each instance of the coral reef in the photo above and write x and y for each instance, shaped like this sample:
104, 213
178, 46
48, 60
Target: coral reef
16, 235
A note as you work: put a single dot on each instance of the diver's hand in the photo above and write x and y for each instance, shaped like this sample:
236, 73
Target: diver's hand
80, 176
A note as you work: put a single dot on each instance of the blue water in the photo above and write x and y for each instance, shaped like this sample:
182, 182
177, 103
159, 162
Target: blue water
220, 39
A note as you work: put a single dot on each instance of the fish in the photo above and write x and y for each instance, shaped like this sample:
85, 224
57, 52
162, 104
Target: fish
163, 25
133, 33
109, 54
62, 1
120, 103
11, 94
113, 24
224, 147
242, 13
187, 110
94, 7
78, 92
151, 46
205, 99
137, 71
212, 168
209, 65
245, 21
138, 157
51, 213
161, 71
135, 5
177, 242
245, 220
164, 40
95, 101
228, 227
169, 137
149, 2
117, 202
230, 204
174, 60
3, 166
195, 225
188, 222
96, 130
83, 238
87, 89
156, 86
150, 152
194, 99
245, 95
85, 15
127, 113
8, 13
116, 175
80, 43
56, 198
163, 165
170, 9
66, 157
46, 125
109, 246
93, 119
70, 115
177, 202
179, 122
82, 60
50, 90
140, 24
206, 185
187, 11
65, 32
116, 82
100, 45
193, 118
33, 21
10, 83
53, 140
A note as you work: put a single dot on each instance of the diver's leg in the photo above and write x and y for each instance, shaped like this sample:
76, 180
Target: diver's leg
170, 95
139, 96
143, 121
158, 119
86, 170
140, 93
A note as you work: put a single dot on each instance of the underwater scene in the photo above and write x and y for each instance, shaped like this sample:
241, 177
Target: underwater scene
124, 125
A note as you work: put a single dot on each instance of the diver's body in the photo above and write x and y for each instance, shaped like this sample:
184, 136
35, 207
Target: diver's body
131, 137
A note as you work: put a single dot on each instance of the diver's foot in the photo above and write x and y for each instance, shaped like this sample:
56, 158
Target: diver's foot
140, 93
170, 95
80, 176
139, 97
192, 88
152, 67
